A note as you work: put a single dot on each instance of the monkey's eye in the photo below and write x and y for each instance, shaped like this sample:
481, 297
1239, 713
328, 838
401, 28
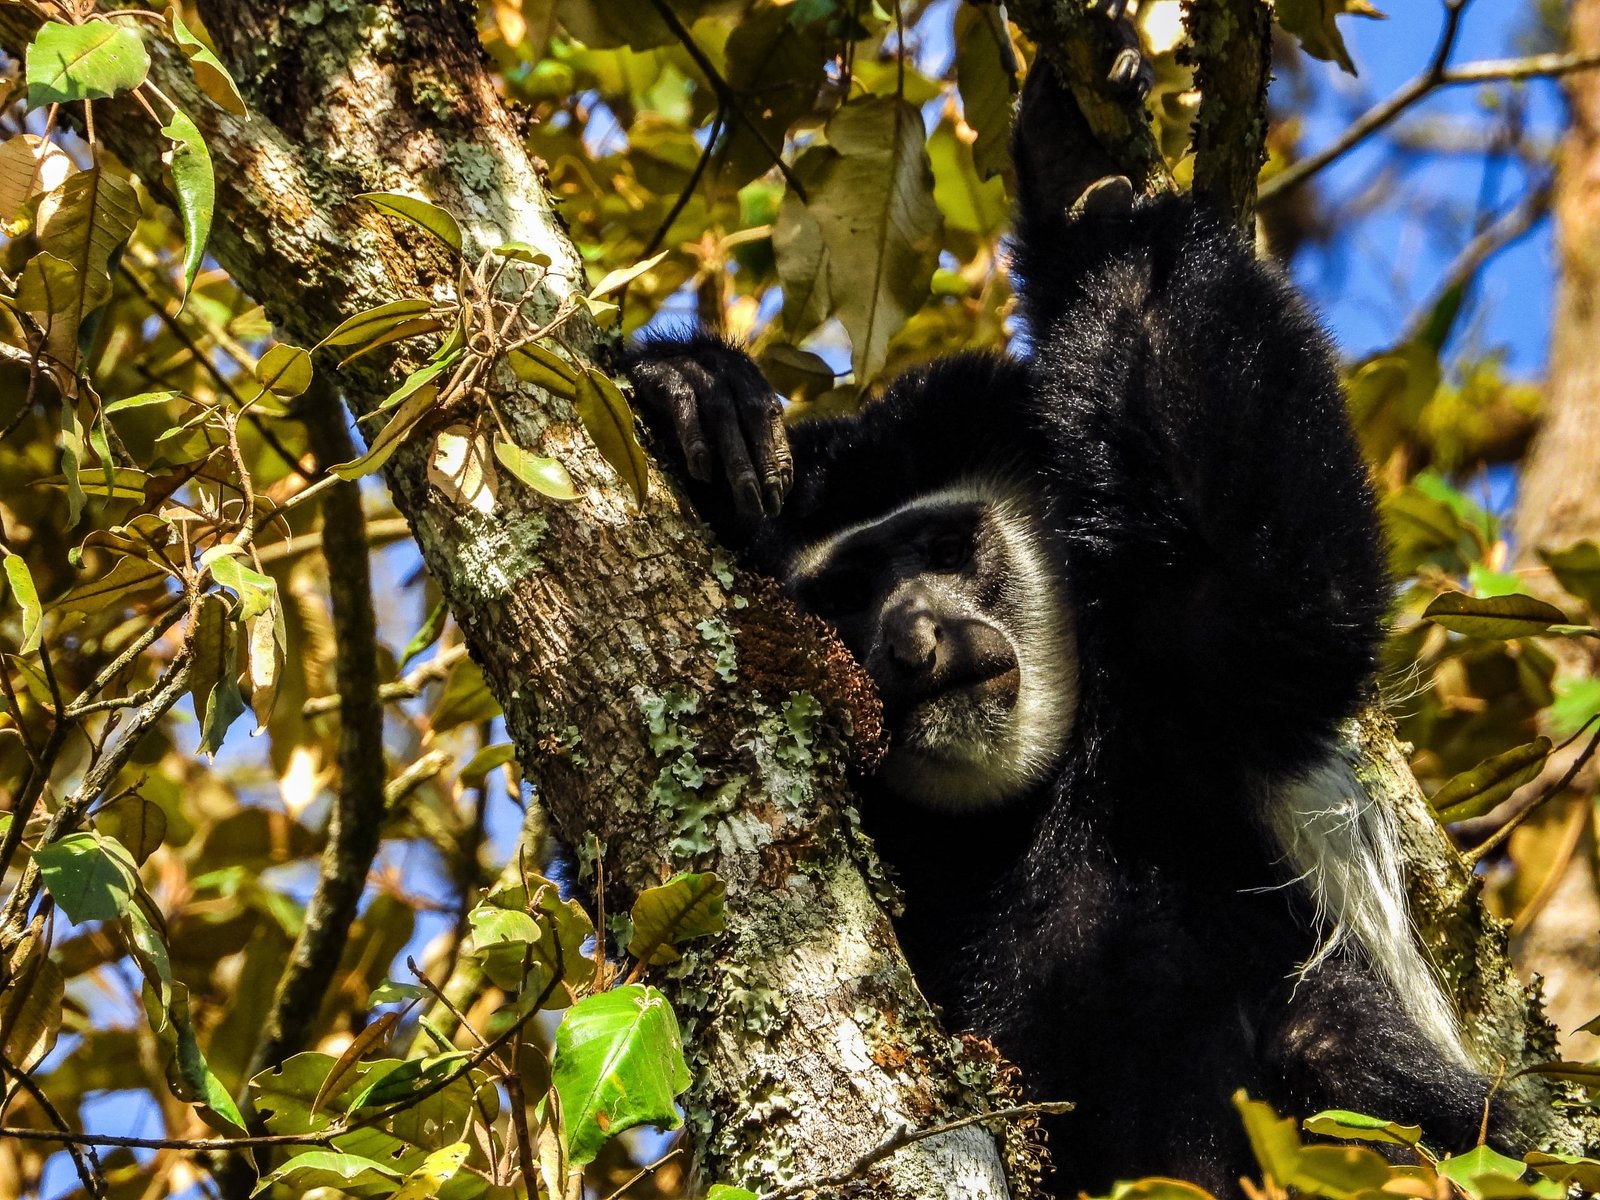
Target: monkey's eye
841, 592
949, 552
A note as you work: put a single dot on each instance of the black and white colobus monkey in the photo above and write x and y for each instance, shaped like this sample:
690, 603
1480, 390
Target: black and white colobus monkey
1116, 597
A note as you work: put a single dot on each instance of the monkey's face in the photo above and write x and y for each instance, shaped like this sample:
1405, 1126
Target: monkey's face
951, 604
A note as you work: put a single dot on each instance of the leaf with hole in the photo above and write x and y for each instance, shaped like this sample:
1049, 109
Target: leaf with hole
618, 1063
462, 467
1476, 791
420, 213
92, 61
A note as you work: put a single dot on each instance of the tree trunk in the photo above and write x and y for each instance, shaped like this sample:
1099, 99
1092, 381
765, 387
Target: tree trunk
1558, 504
607, 634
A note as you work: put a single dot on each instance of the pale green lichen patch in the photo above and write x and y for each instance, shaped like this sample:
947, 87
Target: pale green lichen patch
715, 633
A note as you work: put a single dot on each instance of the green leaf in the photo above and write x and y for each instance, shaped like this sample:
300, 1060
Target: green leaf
722, 1191
1157, 1188
414, 381
1584, 1073
1468, 1171
1354, 1126
1577, 569
209, 72
27, 597
688, 905
420, 213
987, 89
1502, 617
1273, 1139
414, 327
544, 368
256, 591
348, 1173
1567, 1169
284, 370
1341, 1172
406, 1080
196, 186
606, 415
374, 321
873, 204
436, 1170
1312, 22
428, 634
618, 1063
391, 436
614, 280
544, 475
488, 759
92, 878
524, 253
92, 61
540, 934
1475, 792
50, 293
142, 400
138, 824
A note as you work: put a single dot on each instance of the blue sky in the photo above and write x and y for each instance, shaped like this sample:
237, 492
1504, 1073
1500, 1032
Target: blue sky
1368, 283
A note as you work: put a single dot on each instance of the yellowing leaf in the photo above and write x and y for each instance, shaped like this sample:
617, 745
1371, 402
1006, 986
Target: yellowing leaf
606, 415
544, 368
209, 72
29, 166
390, 436
624, 275
544, 475
82, 222
284, 370
437, 1169
27, 598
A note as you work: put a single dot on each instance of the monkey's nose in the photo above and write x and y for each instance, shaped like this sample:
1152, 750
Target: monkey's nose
914, 642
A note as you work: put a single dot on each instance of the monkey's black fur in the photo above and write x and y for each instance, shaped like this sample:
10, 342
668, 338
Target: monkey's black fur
1125, 932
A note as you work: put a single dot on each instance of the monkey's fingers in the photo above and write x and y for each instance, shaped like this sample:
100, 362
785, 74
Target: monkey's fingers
768, 439
678, 388
722, 420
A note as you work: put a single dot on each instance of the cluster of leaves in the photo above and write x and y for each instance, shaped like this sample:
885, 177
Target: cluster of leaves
433, 1124
1291, 1167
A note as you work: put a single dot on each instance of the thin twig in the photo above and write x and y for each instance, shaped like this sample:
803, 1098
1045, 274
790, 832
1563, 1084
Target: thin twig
728, 98
1496, 70
84, 1159
908, 1137
1493, 238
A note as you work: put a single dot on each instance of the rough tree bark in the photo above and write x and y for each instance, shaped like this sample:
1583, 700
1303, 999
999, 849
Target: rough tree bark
1558, 504
606, 633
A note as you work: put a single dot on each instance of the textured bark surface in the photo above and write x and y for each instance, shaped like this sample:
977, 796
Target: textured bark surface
662, 721
1558, 504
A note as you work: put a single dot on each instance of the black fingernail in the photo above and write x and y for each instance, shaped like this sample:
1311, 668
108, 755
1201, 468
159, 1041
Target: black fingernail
749, 498
700, 463
774, 499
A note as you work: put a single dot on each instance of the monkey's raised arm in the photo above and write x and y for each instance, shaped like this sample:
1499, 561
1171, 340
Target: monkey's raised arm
1220, 504
717, 417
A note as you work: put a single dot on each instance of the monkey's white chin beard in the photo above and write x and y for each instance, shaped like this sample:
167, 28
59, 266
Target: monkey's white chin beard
966, 750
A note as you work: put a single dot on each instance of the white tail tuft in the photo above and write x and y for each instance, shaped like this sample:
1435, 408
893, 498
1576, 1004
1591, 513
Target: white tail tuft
1344, 849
